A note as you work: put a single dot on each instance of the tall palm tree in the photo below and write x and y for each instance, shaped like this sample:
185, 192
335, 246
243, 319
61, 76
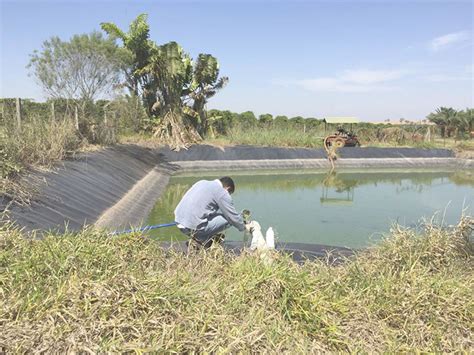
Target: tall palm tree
445, 118
139, 46
466, 120
206, 83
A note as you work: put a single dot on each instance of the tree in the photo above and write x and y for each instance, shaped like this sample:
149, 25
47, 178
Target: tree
83, 68
206, 83
221, 120
281, 120
173, 90
445, 118
138, 46
172, 71
265, 118
297, 120
247, 119
466, 120
312, 122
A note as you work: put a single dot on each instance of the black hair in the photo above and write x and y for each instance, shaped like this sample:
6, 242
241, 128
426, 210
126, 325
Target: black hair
228, 182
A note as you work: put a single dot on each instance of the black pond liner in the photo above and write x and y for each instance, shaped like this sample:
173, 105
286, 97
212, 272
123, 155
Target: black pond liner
300, 252
247, 152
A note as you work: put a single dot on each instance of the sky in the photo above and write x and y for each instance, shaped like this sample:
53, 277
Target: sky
374, 60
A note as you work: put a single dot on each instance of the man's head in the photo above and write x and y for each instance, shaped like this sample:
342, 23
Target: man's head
228, 184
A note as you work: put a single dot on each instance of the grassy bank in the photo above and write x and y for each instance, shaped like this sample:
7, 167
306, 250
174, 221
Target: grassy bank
90, 292
312, 137
275, 136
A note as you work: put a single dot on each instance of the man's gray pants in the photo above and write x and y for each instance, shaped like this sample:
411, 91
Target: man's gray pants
204, 235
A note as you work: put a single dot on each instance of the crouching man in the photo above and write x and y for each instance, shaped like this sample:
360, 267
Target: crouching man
206, 210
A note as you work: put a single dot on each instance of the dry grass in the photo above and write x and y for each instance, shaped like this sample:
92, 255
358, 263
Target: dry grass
295, 136
39, 144
173, 132
274, 136
90, 292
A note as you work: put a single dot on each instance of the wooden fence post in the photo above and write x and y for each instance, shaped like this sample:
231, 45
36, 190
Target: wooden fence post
76, 118
113, 125
53, 114
18, 114
428, 134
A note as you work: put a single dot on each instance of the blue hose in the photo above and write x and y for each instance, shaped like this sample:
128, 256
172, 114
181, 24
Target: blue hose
143, 229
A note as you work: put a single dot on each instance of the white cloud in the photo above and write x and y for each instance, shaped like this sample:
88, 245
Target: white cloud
362, 80
446, 41
444, 78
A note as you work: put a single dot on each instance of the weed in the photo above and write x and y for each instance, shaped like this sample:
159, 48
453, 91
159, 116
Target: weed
87, 291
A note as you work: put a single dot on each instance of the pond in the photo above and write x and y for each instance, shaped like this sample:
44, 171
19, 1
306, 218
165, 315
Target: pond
348, 208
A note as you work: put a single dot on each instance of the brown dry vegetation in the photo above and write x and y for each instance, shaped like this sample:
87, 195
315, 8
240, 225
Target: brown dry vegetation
91, 292
40, 144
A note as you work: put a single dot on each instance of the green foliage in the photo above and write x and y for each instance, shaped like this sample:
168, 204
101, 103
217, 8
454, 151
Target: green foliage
465, 120
221, 121
309, 132
131, 113
247, 119
206, 83
172, 69
265, 118
297, 120
82, 68
452, 122
206, 70
137, 44
312, 122
274, 136
281, 120
411, 293
29, 109
168, 82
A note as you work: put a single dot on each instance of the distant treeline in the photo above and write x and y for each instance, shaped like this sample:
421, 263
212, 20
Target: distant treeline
223, 120
126, 114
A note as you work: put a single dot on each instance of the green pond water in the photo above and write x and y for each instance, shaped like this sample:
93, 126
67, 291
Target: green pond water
353, 209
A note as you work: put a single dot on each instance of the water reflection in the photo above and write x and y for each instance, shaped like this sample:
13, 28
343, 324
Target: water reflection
336, 190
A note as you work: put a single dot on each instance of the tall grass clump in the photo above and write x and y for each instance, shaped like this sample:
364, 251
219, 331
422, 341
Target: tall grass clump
274, 135
39, 143
89, 292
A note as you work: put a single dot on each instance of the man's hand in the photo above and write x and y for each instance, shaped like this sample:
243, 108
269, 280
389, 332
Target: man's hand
246, 216
249, 227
